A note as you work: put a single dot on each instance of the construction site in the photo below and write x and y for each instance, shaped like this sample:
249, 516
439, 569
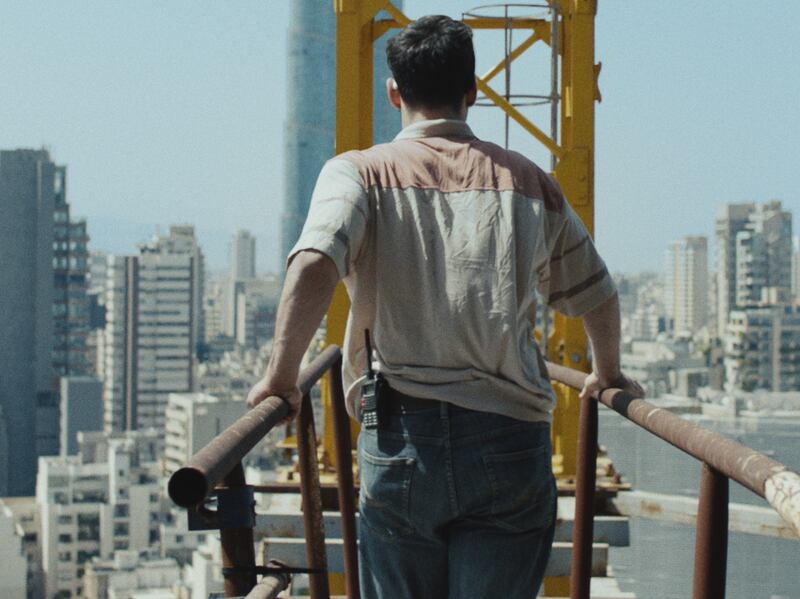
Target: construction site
306, 541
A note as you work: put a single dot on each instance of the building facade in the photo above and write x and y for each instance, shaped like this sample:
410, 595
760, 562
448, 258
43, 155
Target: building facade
132, 575
731, 220
152, 308
27, 380
70, 278
81, 410
243, 256
686, 285
193, 420
13, 579
311, 89
753, 257
762, 349
102, 500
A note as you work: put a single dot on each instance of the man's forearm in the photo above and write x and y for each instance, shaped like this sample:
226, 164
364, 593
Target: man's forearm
603, 329
310, 282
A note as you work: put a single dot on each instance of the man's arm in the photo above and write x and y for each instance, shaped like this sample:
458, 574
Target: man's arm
602, 326
307, 291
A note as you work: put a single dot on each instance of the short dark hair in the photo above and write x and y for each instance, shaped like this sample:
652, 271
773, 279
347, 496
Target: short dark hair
433, 61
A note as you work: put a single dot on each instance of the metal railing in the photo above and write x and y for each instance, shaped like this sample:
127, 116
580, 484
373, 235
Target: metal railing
721, 459
217, 469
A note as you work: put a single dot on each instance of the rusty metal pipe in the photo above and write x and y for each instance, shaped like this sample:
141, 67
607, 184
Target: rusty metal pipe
586, 477
711, 545
192, 483
764, 476
238, 549
269, 587
344, 472
312, 501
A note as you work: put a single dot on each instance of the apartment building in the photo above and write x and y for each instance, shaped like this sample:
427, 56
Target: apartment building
193, 420
686, 285
152, 309
102, 500
762, 348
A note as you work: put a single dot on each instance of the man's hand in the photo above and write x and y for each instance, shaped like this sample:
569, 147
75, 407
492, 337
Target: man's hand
593, 385
265, 388
307, 291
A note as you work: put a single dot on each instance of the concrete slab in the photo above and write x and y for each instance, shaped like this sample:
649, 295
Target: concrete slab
744, 518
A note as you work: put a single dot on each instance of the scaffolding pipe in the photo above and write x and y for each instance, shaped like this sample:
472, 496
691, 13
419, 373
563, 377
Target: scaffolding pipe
195, 481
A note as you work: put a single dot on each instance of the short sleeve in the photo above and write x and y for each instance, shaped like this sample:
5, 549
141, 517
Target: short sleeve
574, 279
337, 216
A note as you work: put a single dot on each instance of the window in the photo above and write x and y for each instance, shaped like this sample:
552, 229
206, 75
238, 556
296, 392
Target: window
121, 510
64, 556
120, 544
65, 538
85, 556
121, 529
65, 519
88, 527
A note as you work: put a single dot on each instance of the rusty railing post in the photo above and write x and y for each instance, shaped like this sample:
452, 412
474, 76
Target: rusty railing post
583, 526
344, 472
238, 549
711, 545
312, 501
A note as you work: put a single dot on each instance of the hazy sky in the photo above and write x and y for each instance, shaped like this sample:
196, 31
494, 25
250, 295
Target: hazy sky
174, 112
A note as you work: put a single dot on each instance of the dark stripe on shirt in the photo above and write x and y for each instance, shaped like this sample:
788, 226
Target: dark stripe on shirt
570, 250
595, 278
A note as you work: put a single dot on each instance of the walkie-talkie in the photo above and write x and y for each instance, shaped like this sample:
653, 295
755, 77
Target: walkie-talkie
372, 393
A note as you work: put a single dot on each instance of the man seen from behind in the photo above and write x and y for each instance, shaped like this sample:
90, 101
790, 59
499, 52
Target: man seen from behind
442, 241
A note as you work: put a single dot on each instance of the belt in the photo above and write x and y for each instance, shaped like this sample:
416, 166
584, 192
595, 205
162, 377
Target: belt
400, 401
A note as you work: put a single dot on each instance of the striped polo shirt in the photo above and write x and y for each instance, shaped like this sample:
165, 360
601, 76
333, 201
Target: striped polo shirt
442, 241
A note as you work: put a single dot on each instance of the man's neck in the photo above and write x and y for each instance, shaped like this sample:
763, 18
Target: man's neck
409, 115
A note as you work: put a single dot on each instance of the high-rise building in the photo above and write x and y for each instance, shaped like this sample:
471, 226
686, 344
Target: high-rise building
764, 255
71, 269
686, 285
181, 239
753, 256
81, 410
309, 132
243, 256
152, 305
27, 382
242, 269
762, 348
731, 219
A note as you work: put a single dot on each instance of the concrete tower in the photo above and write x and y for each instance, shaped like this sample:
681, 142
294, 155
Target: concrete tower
243, 256
27, 201
311, 93
150, 329
687, 284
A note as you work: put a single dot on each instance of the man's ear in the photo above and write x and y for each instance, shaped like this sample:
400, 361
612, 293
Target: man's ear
472, 96
393, 93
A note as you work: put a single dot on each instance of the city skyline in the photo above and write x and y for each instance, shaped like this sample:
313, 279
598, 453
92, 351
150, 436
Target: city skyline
143, 249
181, 128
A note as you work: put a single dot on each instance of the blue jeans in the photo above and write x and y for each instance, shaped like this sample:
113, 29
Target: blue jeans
455, 503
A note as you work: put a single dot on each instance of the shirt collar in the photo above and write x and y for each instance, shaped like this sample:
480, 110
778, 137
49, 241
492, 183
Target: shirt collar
436, 128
